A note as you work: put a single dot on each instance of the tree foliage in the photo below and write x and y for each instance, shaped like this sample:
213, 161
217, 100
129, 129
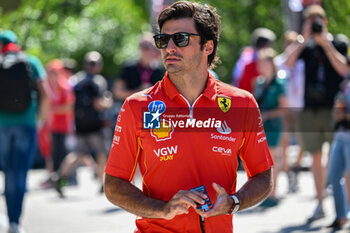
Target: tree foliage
70, 28
238, 19
338, 15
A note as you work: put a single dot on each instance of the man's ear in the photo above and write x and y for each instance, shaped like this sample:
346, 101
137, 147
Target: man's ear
209, 47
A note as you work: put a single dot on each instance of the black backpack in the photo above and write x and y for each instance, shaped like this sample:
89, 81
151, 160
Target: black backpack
87, 118
15, 83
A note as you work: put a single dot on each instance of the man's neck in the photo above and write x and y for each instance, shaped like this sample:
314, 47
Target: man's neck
191, 86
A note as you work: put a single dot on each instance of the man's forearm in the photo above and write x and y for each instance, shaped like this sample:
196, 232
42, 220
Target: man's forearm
128, 197
255, 190
293, 52
337, 60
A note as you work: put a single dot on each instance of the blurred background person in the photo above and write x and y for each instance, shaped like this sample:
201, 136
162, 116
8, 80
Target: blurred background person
69, 66
18, 120
270, 95
325, 68
339, 163
90, 90
61, 112
135, 76
294, 85
245, 71
140, 74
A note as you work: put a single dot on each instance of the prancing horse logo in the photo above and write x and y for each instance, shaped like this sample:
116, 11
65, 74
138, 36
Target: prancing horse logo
224, 103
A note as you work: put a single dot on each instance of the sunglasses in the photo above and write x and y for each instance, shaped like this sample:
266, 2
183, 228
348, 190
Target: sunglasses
181, 39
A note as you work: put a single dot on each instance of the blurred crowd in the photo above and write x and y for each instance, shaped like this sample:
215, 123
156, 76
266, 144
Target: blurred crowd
303, 93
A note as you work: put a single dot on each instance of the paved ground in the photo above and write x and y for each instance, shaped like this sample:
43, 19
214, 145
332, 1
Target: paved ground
85, 211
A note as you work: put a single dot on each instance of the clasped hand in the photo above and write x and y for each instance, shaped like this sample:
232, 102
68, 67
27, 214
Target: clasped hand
184, 199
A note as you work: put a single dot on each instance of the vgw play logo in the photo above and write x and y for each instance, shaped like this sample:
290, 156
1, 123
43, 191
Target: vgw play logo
151, 119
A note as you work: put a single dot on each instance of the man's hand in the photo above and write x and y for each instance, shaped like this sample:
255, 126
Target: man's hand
337, 59
181, 202
321, 39
222, 204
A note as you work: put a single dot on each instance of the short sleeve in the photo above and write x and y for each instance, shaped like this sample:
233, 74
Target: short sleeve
254, 151
123, 156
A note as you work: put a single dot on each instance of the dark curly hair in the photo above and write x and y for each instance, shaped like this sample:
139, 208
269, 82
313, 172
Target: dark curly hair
206, 20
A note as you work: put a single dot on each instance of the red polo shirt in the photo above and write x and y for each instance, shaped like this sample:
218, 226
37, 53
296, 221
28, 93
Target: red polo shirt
190, 149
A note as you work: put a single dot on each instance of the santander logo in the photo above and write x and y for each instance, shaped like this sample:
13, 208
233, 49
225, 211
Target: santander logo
224, 128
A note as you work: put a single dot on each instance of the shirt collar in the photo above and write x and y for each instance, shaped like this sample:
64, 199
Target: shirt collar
210, 92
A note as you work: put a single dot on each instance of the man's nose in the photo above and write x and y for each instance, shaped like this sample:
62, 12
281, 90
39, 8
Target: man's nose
171, 46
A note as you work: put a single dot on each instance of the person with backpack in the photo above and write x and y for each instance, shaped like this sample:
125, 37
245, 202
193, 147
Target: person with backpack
21, 87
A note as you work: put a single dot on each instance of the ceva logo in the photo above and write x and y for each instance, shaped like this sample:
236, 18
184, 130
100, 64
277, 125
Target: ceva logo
222, 150
166, 153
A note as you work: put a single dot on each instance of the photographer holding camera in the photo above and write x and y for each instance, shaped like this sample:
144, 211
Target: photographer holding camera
325, 68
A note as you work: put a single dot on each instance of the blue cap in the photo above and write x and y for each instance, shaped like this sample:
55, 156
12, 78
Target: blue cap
8, 36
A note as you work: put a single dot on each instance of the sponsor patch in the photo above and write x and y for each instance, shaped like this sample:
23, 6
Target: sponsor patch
156, 106
222, 137
261, 139
164, 132
116, 140
151, 119
224, 103
222, 150
166, 153
224, 128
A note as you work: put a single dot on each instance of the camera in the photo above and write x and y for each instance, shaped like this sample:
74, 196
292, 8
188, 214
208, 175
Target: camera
317, 26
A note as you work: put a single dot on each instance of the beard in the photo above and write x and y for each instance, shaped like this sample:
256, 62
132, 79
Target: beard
173, 67
182, 64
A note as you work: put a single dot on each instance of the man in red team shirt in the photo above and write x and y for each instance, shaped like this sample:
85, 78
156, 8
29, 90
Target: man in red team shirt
186, 131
